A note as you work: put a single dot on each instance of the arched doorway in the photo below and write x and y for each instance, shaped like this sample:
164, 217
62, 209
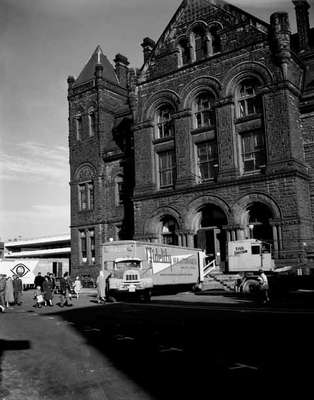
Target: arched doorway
260, 216
211, 237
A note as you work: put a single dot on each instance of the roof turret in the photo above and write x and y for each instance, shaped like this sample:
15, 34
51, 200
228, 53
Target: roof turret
88, 72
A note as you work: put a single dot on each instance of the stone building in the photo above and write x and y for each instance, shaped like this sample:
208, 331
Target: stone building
211, 140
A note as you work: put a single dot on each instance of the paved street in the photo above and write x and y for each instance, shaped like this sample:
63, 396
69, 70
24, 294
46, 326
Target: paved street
182, 346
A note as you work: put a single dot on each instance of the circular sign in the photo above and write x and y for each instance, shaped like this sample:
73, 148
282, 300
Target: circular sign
20, 270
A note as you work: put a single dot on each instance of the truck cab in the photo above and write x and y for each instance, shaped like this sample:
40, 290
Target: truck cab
127, 278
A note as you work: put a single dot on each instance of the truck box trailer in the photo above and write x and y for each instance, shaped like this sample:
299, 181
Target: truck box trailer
28, 268
138, 268
249, 255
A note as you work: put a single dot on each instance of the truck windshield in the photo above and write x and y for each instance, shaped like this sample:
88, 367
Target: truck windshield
127, 264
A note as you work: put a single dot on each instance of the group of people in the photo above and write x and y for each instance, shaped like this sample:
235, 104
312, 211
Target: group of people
11, 289
45, 289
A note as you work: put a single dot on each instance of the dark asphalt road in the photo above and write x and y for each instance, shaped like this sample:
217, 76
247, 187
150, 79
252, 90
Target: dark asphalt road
177, 347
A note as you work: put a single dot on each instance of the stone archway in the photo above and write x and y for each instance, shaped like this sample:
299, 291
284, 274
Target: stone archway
258, 216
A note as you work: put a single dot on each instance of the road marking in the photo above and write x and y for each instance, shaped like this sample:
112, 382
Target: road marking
243, 366
209, 307
121, 338
167, 349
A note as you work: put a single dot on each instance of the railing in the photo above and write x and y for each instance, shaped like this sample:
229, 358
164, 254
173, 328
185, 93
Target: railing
209, 268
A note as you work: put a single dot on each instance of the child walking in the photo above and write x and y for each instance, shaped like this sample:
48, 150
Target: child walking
77, 286
38, 296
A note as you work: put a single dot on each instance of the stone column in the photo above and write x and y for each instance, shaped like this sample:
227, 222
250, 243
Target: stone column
275, 240
183, 147
209, 46
190, 239
145, 171
226, 140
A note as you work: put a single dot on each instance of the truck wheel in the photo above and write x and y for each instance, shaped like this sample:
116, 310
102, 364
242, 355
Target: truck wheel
147, 296
250, 286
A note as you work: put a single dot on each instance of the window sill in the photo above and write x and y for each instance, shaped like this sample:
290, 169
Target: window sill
164, 188
163, 140
203, 129
205, 181
255, 172
248, 118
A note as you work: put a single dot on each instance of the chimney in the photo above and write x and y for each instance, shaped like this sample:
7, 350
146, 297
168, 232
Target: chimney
99, 71
280, 35
148, 45
71, 81
303, 23
121, 67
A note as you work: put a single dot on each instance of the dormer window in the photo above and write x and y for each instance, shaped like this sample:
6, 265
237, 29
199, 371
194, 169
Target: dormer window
164, 122
203, 113
248, 103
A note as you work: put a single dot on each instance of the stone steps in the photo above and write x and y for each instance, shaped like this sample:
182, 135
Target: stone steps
218, 280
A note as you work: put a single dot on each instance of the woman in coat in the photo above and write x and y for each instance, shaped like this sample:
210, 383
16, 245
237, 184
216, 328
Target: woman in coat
9, 294
101, 287
47, 290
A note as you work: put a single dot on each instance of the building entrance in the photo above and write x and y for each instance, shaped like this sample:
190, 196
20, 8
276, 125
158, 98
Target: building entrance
211, 237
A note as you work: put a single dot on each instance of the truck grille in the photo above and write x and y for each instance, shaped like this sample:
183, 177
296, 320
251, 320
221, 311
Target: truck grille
131, 277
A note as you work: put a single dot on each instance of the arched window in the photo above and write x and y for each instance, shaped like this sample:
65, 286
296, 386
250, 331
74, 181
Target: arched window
215, 40
248, 103
184, 49
164, 122
91, 122
203, 113
85, 178
253, 154
207, 160
169, 231
78, 126
166, 168
86, 196
200, 43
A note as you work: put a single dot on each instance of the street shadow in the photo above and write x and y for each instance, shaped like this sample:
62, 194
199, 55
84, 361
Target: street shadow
175, 352
10, 345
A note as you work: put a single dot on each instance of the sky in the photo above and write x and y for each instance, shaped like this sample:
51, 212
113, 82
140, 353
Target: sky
42, 42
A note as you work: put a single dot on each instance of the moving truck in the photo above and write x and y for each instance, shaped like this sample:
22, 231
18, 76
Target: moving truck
28, 268
249, 255
140, 268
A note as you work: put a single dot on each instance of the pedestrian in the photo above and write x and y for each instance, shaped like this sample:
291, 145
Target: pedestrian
65, 290
17, 290
53, 284
9, 293
47, 291
77, 286
38, 296
3, 283
102, 285
263, 287
39, 280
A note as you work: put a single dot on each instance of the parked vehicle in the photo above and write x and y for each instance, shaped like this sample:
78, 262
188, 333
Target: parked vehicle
140, 268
